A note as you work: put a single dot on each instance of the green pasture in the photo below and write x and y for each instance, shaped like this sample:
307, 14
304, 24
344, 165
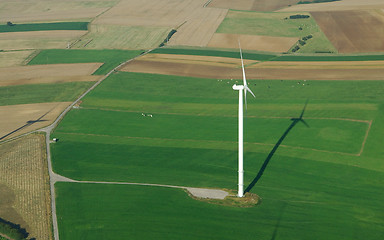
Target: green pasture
110, 58
277, 25
122, 37
300, 200
44, 26
315, 183
39, 93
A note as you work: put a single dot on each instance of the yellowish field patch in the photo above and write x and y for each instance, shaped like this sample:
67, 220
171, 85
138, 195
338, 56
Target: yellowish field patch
24, 185
336, 6
14, 58
47, 73
38, 39
252, 42
252, 5
14, 118
200, 60
53, 10
122, 37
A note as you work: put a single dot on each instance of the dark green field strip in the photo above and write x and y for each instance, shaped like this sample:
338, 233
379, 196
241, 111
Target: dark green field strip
110, 58
175, 89
215, 53
39, 93
303, 58
44, 26
299, 199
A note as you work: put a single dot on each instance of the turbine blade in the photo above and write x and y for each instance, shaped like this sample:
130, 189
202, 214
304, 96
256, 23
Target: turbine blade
245, 98
242, 66
249, 90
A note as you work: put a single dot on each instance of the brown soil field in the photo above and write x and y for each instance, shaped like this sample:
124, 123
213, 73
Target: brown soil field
252, 42
201, 60
24, 185
19, 119
53, 10
15, 58
252, 5
195, 24
336, 6
353, 31
38, 39
322, 65
259, 71
48, 73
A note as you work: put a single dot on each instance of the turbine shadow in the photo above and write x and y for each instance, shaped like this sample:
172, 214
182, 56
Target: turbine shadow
270, 155
277, 226
29, 123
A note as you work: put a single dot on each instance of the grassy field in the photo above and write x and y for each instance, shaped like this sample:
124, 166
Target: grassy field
323, 182
44, 26
122, 37
39, 93
278, 25
110, 58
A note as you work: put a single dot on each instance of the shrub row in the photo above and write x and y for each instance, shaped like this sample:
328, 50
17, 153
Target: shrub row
14, 231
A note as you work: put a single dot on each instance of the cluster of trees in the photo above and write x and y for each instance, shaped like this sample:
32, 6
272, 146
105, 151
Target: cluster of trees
13, 230
10, 24
302, 42
298, 16
170, 34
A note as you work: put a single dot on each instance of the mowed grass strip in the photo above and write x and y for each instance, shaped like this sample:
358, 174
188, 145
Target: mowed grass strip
298, 202
324, 134
110, 58
44, 26
39, 93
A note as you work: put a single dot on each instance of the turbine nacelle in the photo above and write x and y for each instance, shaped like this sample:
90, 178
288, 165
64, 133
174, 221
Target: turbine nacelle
237, 87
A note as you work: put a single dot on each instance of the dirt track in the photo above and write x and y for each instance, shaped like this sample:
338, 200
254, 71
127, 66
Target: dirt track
353, 31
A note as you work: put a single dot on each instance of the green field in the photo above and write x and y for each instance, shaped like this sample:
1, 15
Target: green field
110, 58
277, 25
321, 182
44, 27
39, 93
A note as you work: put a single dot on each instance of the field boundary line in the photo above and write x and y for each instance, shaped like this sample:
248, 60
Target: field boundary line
365, 138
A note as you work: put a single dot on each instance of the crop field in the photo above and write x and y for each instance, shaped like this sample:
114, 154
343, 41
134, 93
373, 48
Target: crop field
20, 11
23, 118
14, 58
276, 25
191, 140
203, 66
24, 185
344, 5
122, 37
252, 5
110, 58
195, 25
45, 26
38, 39
364, 36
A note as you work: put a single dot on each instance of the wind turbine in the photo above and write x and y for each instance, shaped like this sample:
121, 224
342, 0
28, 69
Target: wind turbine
246, 89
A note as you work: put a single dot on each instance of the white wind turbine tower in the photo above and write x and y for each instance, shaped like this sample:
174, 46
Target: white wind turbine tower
241, 88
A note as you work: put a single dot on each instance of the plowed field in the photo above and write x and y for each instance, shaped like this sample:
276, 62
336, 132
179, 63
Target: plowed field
252, 42
353, 31
53, 73
19, 119
24, 185
252, 5
370, 70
